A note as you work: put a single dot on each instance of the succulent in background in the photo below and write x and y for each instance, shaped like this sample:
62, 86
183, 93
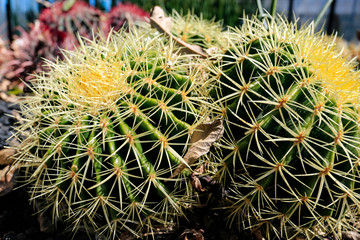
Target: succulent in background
107, 128
291, 153
65, 22
125, 14
26, 53
5, 55
55, 28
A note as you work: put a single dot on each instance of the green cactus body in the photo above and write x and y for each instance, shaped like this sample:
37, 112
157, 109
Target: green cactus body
291, 151
107, 128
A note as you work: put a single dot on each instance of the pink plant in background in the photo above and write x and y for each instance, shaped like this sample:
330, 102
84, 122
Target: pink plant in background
27, 52
58, 28
64, 24
55, 28
125, 14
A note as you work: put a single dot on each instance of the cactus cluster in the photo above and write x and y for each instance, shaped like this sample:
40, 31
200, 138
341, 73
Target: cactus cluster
290, 156
106, 129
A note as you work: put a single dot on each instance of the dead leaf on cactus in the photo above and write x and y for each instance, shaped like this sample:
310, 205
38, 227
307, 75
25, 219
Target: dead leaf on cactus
350, 235
202, 182
201, 140
163, 25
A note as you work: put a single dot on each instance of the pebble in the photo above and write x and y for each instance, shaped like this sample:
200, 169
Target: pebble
7, 122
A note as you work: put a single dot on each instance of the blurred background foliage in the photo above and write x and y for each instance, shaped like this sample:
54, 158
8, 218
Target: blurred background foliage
30, 31
346, 16
25, 11
227, 10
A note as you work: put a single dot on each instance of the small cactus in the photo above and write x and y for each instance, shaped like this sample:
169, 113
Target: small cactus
196, 30
290, 157
105, 130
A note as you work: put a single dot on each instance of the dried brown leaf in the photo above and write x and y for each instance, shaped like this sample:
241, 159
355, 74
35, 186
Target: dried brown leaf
192, 234
201, 140
8, 98
4, 85
6, 156
202, 182
350, 235
195, 181
300, 237
162, 23
159, 21
7, 180
128, 236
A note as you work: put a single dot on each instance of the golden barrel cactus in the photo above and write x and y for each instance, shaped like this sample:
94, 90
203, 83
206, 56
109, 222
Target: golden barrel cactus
290, 156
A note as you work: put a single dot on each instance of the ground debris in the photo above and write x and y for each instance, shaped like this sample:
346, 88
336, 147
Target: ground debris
7, 179
350, 235
192, 234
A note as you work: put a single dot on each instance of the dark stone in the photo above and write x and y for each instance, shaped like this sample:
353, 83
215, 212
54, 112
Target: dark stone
31, 231
9, 236
7, 121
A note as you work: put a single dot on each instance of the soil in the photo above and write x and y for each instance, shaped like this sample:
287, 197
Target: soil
19, 222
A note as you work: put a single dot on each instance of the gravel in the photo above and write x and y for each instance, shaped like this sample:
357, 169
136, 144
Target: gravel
7, 121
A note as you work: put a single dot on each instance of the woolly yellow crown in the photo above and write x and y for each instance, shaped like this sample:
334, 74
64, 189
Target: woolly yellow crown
312, 50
